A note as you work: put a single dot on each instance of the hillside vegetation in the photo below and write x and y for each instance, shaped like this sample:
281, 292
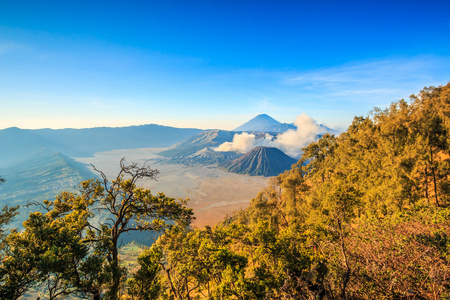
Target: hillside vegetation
361, 216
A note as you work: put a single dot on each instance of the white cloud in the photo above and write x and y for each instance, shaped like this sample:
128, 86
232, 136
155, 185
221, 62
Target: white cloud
241, 143
293, 140
389, 78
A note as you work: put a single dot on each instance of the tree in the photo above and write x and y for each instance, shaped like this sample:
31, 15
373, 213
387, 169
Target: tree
71, 251
50, 250
6, 215
432, 137
146, 282
130, 209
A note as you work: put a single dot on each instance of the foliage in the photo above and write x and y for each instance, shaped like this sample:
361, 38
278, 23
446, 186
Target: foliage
6, 216
145, 283
404, 254
364, 215
66, 251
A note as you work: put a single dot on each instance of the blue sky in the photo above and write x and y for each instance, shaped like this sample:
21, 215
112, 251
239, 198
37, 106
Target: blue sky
214, 64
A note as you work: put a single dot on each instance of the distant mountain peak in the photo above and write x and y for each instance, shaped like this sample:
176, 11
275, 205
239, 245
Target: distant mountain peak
264, 123
265, 116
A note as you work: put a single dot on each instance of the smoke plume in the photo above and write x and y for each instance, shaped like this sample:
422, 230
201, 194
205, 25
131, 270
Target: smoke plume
291, 142
245, 142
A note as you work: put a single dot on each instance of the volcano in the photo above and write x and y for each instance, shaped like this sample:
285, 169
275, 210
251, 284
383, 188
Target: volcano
264, 123
261, 161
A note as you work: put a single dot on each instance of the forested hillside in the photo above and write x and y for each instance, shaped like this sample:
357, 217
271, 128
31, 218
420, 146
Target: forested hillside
361, 216
365, 215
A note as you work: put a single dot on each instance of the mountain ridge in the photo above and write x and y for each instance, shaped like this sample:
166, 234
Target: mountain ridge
39, 176
16, 143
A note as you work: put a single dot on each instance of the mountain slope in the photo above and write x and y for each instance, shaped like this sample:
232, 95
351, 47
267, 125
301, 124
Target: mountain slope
264, 123
40, 176
206, 139
261, 161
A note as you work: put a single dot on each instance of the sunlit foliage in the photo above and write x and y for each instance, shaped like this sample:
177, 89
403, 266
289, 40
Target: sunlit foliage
362, 215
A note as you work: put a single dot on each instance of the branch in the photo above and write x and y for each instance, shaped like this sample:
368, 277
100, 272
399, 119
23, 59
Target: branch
36, 203
98, 209
101, 173
138, 172
112, 220
143, 228
92, 226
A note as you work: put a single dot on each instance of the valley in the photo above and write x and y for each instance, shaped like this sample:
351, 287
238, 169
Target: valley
212, 192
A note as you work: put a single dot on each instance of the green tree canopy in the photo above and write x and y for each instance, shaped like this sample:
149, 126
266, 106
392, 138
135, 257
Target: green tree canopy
69, 251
